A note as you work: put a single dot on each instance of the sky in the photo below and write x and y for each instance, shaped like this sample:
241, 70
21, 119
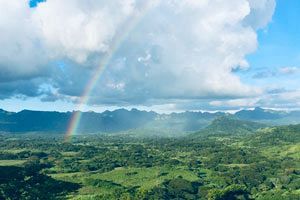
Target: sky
161, 55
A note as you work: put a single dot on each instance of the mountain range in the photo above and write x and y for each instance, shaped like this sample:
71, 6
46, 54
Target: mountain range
127, 120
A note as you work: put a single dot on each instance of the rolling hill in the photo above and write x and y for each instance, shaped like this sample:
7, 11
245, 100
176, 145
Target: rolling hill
228, 125
278, 135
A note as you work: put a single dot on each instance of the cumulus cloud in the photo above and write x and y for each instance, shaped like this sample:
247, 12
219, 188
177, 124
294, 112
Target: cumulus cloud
261, 12
289, 70
174, 50
275, 99
235, 103
77, 29
285, 99
279, 72
21, 54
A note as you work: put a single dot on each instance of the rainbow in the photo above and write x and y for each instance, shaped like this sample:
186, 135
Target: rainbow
117, 42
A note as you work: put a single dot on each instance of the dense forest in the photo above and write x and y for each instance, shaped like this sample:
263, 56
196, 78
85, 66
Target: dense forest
250, 162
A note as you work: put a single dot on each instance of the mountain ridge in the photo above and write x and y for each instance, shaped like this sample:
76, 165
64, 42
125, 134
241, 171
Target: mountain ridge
124, 120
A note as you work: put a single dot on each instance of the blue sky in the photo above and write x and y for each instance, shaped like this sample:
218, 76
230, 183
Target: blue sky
279, 42
34, 3
278, 51
162, 56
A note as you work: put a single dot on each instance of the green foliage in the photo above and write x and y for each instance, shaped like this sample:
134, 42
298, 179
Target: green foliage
28, 183
233, 192
278, 135
262, 165
177, 188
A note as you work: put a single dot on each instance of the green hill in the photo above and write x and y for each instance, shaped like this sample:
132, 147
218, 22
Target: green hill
278, 135
230, 126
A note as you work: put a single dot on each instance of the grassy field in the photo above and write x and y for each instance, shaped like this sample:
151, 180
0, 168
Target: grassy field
12, 162
291, 150
145, 178
142, 178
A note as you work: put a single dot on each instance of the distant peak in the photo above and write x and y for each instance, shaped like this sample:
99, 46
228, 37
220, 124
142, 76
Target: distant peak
258, 109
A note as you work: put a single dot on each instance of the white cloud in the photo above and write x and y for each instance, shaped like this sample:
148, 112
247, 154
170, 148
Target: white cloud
289, 70
188, 51
286, 99
20, 54
261, 12
235, 103
76, 29
183, 49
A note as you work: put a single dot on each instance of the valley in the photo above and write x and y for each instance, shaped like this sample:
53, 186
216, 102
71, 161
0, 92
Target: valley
230, 159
